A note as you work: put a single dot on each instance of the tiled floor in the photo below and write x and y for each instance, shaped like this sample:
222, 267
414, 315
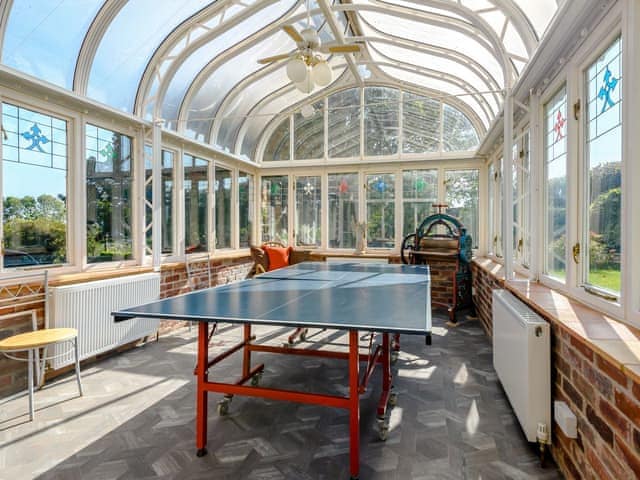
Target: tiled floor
136, 420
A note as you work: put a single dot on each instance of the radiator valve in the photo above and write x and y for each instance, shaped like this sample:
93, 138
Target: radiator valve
543, 439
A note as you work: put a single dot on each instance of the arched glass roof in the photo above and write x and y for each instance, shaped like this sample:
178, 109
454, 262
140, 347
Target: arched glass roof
194, 63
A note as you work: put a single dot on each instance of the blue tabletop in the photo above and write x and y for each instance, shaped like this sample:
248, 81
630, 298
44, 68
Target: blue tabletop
380, 297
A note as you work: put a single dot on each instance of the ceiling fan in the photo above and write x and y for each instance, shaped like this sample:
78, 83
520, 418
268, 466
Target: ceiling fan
307, 67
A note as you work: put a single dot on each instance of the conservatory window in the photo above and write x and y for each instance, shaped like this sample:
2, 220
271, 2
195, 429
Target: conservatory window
419, 193
521, 202
168, 182
278, 145
381, 120
555, 181
459, 133
34, 188
274, 205
222, 202
196, 204
344, 124
603, 170
491, 217
308, 211
380, 204
308, 133
343, 209
420, 124
166, 194
461, 194
245, 208
109, 185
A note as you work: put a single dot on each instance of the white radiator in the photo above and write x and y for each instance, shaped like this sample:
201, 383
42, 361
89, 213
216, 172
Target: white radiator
88, 307
521, 357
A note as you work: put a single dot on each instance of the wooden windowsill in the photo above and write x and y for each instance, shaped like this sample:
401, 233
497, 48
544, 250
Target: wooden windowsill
617, 342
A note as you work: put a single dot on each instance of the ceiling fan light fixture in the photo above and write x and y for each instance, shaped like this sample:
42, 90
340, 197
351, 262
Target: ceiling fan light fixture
321, 73
306, 86
311, 38
297, 70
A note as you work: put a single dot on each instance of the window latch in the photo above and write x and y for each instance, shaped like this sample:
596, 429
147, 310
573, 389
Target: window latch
520, 243
576, 252
576, 110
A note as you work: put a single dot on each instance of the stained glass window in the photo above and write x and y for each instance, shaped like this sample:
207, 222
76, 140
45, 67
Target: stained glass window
246, 215
381, 228
196, 204
308, 211
274, 205
603, 159
461, 196
555, 172
222, 215
34, 187
419, 192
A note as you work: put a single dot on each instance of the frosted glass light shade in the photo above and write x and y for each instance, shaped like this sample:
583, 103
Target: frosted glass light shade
321, 74
296, 70
307, 85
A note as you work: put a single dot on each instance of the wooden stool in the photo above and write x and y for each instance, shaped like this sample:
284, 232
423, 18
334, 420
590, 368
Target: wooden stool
31, 342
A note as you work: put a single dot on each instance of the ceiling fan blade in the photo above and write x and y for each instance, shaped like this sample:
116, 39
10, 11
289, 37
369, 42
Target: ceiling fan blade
275, 58
344, 48
293, 33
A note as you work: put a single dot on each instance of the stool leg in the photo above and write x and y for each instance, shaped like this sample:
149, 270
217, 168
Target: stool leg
30, 380
75, 349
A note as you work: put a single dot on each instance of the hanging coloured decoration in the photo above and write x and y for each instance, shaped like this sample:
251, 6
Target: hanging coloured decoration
344, 186
381, 186
609, 85
275, 189
559, 125
420, 185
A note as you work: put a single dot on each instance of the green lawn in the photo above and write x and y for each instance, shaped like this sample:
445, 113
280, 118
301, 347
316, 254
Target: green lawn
607, 279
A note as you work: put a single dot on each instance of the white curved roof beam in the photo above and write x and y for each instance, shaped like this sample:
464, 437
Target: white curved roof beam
480, 31
183, 33
5, 11
429, 73
338, 35
424, 47
460, 58
240, 87
91, 42
511, 12
229, 53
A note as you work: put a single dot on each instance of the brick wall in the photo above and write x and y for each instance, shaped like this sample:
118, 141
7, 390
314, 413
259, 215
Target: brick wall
603, 395
13, 374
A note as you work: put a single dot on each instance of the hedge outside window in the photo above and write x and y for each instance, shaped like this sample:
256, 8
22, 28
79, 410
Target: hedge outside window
109, 183
34, 187
603, 167
222, 216
419, 193
380, 190
343, 209
274, 205
308, 134
420, 124
245, 207
381, 120
196, 204
344, 124
461, 194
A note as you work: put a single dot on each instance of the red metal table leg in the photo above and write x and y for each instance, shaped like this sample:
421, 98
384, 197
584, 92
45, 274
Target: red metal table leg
354, 404
201, 395
246, 353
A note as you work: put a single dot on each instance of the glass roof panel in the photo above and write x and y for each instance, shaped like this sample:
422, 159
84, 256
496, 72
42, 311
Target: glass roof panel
424, 8
438, 36
203, 55
213, 91
128, 45
35, 44
539, 12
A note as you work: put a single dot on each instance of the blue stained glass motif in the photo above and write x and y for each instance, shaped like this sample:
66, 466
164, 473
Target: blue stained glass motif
34, 134
381, 186
609, 85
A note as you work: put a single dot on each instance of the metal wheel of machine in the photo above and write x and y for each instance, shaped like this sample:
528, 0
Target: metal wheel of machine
408, 246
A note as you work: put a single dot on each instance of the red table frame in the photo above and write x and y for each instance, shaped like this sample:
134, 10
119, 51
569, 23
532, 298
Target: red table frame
380, 355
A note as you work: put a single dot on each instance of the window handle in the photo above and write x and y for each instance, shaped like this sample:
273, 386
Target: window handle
520, 243
576, 252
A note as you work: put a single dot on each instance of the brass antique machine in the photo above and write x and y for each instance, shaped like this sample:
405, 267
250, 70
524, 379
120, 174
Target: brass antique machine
441, 241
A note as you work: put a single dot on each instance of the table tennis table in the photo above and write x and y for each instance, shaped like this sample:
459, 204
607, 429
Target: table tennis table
377, 298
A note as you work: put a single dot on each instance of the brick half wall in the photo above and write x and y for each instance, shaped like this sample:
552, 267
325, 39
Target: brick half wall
603, 395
